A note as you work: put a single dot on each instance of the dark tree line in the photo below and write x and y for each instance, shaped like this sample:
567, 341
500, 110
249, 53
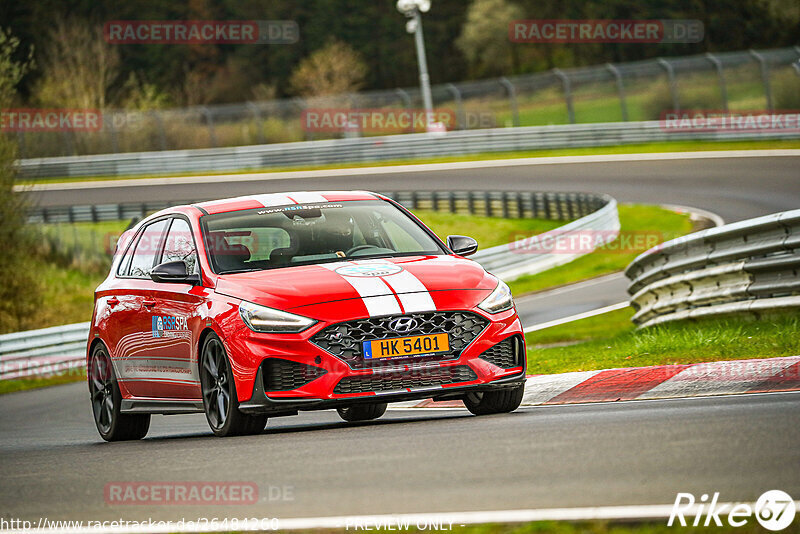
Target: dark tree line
375, 30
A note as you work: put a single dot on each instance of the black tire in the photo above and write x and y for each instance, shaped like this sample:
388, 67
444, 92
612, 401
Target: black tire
106, 401
498, 401
362, 412
219, 394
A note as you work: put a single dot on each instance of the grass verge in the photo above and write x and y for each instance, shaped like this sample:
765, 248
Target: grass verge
21, 384
611, 341
645, 148
641, 227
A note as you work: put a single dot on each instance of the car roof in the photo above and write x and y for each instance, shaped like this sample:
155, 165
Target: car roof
269, 200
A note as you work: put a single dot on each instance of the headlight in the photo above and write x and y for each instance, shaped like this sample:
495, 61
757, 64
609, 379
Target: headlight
263, 319
499, 300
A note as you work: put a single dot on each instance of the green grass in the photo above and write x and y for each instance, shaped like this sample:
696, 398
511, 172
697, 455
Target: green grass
21, 384
488, 231
610, 341
649, 224
645, 148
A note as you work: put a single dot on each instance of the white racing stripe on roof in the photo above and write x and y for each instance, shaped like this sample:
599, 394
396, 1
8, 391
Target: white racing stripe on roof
271, 199
305, 196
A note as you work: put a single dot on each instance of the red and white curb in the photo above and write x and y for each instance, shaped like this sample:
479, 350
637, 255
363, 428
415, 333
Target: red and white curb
659, 382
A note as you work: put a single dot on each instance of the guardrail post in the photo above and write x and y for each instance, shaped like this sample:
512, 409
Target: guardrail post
620, 90
673, 85
460, 118
567, 93
762, 63
212, 137
723, 89
257, 120
512, 98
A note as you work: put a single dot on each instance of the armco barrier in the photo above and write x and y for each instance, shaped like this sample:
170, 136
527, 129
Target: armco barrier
366, 149
45, 351
749, 266
40, 352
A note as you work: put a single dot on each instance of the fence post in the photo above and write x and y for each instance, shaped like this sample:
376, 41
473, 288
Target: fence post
162, 136
567, 93
762, 63
512, 98
723, 89
112, 130
460, 118
257, 119
673, 86
620, 90
212, 138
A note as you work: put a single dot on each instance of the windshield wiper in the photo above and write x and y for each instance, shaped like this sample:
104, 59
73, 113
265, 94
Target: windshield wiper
236, 271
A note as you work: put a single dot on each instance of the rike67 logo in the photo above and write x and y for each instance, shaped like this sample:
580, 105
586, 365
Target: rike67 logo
774, 510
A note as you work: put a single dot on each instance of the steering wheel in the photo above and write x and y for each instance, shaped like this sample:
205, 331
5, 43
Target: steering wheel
359, 247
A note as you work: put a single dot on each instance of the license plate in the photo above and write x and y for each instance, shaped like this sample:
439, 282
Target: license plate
401, 347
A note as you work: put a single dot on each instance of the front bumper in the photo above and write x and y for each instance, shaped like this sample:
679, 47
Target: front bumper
407, 380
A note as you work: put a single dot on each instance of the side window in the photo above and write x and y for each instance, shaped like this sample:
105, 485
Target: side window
180, 245
147, 249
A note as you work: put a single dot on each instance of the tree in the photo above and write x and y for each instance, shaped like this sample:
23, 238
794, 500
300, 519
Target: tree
20, 292
333, 69
78, 68
484, 37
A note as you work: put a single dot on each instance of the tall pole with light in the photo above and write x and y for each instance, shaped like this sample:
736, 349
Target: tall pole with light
412, 10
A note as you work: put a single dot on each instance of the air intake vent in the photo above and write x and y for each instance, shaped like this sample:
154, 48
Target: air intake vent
418, 378
287, 375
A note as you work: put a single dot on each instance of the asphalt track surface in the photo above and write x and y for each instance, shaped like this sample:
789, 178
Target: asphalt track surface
414, 460
642, 452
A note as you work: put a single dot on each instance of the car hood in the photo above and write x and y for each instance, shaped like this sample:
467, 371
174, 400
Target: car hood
295, 287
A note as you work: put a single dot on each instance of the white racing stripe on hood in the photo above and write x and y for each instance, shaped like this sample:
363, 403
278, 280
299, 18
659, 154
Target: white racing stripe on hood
405, 286
411, 291
371, 290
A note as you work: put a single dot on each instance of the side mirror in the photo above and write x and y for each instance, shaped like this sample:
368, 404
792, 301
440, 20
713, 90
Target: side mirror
174, 272
462, 245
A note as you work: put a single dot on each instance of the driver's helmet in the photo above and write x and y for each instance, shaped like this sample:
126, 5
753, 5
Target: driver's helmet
338, 232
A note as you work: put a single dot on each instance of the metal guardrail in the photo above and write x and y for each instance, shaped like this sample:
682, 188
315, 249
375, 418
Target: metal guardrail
750, 266
42, 352
51, 350
392, 147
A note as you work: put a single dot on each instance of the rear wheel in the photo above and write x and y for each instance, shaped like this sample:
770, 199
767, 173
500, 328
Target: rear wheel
219, 394
362, 412
107, 399
498, 401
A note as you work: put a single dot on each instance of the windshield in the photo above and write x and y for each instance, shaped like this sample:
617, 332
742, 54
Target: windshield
269, 238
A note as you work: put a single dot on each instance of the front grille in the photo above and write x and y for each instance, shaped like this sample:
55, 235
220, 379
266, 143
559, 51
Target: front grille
504, 354
393, 381
345, 339
287, 375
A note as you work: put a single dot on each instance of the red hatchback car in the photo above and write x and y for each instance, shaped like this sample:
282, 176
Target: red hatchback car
265, 305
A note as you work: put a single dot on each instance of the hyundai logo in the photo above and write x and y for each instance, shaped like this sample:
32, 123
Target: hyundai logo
401, 325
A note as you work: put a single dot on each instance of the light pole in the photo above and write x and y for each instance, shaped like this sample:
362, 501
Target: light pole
412, 10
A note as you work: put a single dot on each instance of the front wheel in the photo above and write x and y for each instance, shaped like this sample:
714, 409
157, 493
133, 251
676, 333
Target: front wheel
362, 412
107, 399
219, 394
498, 401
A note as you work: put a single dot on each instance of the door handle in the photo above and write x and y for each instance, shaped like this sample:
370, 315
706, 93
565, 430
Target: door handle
113, 301
148, 303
